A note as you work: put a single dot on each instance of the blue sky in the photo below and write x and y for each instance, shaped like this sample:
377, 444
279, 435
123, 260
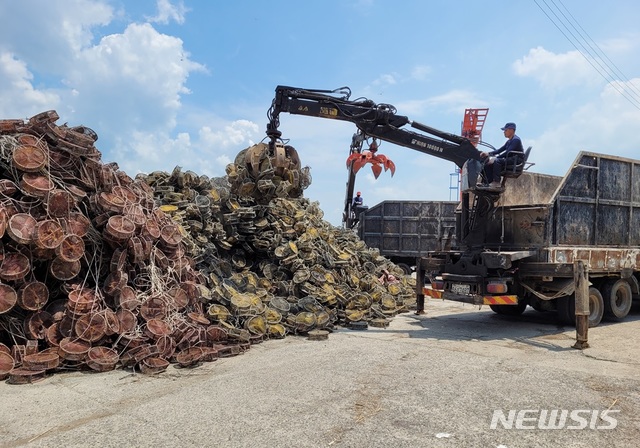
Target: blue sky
189, 83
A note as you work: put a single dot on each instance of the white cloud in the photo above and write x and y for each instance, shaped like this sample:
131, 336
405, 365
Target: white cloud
232, 135
209, 154
167, 12
555, 71
130, 85
48, 35
20, 99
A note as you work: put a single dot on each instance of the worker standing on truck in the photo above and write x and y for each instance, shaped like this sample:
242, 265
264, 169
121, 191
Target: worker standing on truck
356, 208
497, 159
357, 201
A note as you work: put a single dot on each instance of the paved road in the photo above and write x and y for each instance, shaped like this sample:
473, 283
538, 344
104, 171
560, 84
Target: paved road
426, 381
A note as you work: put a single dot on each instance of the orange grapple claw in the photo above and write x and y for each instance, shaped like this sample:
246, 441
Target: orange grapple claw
377, 161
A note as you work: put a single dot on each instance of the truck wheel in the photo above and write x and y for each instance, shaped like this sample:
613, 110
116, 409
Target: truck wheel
509, 310
567, 308
617, 297
405, 268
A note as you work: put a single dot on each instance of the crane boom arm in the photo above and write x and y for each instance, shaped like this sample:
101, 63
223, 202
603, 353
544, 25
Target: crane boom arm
374, 120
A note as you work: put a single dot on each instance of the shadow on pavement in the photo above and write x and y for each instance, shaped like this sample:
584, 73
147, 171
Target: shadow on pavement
538, 329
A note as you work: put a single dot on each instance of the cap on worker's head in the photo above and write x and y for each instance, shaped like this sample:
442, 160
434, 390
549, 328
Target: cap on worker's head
509, 126
358, 193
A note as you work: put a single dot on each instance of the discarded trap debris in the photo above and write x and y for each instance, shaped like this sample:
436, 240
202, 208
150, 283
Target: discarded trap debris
318, 335
100, 270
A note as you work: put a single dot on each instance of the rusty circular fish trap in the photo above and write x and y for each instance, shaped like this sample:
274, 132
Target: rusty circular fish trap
29, 158
127, 321
111, 202
170, 235
139, 250
36, 185
21, 375
8, 298
59, 203
120, 228
41, 361
112, 324
118, 260
82, 301
215, 334
157, 328
166, 346
52, 335
71, 248
181, 295
198, 318
21, 227
153, 365
189, 357
126, 194
138, 353
210, 354
154, 307
8, 188
65, 325
74, 349
48, 234
90, 327
281, 305
102, 359
14, 266
63, 270
33, 295
127, 299
78, 224
136, 213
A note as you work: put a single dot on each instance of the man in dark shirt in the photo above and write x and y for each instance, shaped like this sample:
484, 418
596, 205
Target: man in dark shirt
498, 158
357, 200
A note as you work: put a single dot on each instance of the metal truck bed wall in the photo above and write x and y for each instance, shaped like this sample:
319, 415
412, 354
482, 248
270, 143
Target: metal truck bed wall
595, 205
408, 228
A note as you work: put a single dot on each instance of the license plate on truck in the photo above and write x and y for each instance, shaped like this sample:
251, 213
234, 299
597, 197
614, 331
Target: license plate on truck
460, 288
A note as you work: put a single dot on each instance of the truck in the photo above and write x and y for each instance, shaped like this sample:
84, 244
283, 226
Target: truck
404, 231
516, 246
523, 254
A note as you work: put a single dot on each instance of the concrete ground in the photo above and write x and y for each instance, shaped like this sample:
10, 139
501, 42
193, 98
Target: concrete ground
425, 381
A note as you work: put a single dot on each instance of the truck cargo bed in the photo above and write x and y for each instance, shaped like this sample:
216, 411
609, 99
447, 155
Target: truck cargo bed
408, 229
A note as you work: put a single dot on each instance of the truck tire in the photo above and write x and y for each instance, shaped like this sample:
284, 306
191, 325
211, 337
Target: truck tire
509, 310
405, 268
567, 308
617, 297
